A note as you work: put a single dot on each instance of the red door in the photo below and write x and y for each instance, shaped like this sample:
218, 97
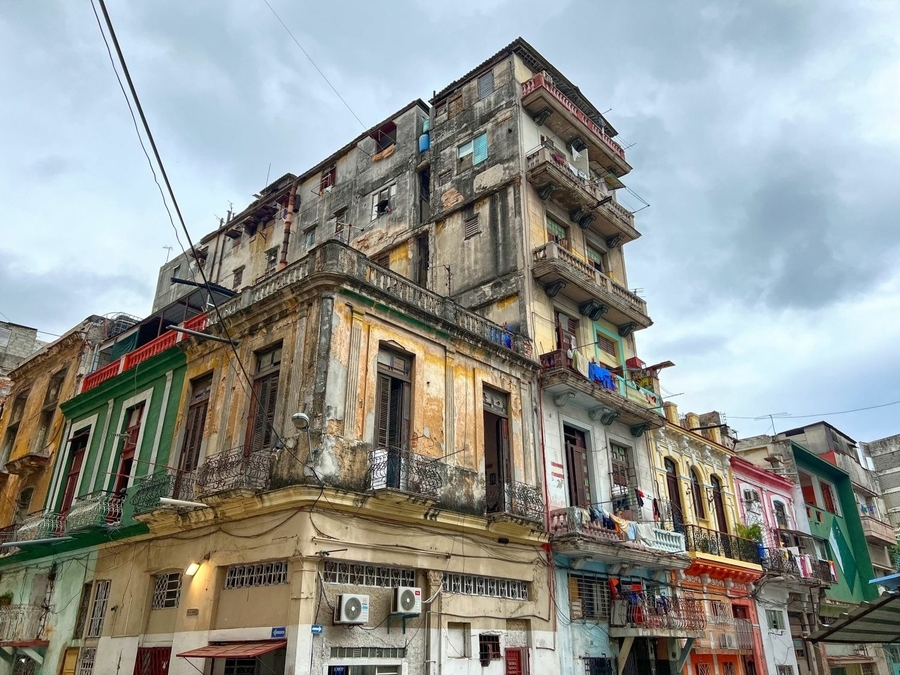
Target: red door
72, 480
152, 661
517, 661
129, 447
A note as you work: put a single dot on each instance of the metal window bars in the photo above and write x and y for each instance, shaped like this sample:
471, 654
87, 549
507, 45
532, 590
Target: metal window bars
41, 525
257, 574
22, 623
515, 499
234, 470
357, 574
398, 469
658, 611
705, 540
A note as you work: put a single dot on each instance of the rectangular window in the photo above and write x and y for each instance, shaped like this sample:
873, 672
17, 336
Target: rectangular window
775, 619
486, 85
477, 147
455, 105
381, 201
588, 597
459, 639
781, 518
83, 606
598, 665
12, 427
309, 236
265, 395
328, 179
258, 574
488, 647
492, 587
196, 423
241, 667
392, 415
472, 227
130, 435
86, 660
98, 609
167, 591
385, 137
340, 225
623, 477
828, 498
383, 260
577, 467
785, 670
77, 450
271, 260
354, 574
608, 346
597, 259
557, 233
238, 278
152, 660
368, 652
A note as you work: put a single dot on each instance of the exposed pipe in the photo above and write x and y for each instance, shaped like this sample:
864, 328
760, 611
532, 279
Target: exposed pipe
287, 225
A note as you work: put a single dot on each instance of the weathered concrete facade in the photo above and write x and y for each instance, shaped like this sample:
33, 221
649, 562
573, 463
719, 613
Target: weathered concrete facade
16, 344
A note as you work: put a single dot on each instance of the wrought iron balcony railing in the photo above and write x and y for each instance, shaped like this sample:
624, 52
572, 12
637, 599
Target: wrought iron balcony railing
574, 520
234, 470
166, 482
393, 468
704, 540
97, 509
22, 623
658, 612
783, 561
43, 525
515, 499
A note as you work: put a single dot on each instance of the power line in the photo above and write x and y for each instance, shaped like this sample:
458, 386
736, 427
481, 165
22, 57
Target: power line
823, 414
271, 9
171, 192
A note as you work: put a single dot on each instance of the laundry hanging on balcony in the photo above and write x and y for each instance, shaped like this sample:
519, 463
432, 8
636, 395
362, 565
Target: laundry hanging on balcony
598, 373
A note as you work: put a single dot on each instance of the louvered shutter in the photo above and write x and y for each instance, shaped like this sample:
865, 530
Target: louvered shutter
575, 606
193, 435
479, 149
263, 412
384, 411
579, 487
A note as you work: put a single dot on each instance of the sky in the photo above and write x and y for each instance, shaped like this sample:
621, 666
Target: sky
764, 136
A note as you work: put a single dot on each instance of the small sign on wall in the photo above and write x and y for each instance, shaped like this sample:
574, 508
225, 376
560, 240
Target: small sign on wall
316, 629
278, 632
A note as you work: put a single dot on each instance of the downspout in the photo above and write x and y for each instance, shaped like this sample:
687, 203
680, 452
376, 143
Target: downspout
287, 225
551, 574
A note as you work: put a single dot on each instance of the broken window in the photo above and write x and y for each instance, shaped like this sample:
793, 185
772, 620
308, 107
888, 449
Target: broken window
77, 449
383, 260
488, 648
381, 201
497, 460
597, 259
271, 260
238, 278
12, 427
477, 148
23, 504
486, 85
624, 478
340, 224
385, 137
422, 260
260, 432
48, 411
781, 518
328, 179
557, 233
455, 106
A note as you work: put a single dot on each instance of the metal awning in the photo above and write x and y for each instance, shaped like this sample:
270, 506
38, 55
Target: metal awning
890, 582
872, 622
234, 650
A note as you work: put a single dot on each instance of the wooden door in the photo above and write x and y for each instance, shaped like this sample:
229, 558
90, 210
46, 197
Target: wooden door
674, 495
579, 476
129, 448
152, 661
567, 328
72, 479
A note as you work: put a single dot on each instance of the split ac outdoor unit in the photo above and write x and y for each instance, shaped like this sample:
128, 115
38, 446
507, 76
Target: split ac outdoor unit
730, 641
352, 609
751, 495
407, 600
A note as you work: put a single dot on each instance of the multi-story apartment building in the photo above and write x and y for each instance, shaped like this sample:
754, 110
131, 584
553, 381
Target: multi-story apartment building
17, 342
696, 496
885, 454
787, 596
829, 500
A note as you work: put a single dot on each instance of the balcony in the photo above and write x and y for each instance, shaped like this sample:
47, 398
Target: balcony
131, 359
550, 106
233, 470
734, 636
42, 525
95, 510
878, 532
588, 202
335, 258
561, 271
609, 399
703, 540
28, 463
645, 615
23, 626
171, 483
584, 533
404, 472
516, 502
782, 561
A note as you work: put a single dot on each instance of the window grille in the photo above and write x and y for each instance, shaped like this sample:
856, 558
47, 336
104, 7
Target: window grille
98, 611
472, 226
489, 647
703, 669
470, 584
368, 652
588, 597
720, 612
486, 85
167, 591
241, 667
258, 574
597, 665
728, 668
86, 660
785, 670
368, 575
608, 346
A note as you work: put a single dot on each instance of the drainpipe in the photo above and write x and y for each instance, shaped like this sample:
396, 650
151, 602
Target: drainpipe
287, 225
551, 574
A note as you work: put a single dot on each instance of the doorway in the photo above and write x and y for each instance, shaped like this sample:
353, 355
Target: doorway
497, 463
672, 489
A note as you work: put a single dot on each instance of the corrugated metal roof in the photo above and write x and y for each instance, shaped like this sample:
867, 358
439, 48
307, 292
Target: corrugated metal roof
872, 622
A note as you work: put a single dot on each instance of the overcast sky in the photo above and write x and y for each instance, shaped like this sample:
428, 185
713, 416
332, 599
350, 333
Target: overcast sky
764, 135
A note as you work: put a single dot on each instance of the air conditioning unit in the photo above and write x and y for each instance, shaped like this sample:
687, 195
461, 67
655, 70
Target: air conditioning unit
730, 641
407, 600
353, 609
751, 495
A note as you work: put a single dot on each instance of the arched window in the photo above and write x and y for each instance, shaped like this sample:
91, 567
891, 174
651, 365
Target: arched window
781, 518
697, 494
674, 515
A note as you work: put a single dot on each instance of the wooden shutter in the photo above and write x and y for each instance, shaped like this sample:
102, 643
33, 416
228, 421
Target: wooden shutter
506, 471
579, 481
382, 417
70, 661
72, 480
193, 436
266, 391
576, 610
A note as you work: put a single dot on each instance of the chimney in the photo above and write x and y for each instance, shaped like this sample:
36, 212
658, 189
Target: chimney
671, 411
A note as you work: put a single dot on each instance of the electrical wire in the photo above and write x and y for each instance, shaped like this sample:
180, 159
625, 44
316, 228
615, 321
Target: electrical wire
824, 414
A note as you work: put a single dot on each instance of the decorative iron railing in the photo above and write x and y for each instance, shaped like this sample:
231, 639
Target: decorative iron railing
729, 635
166, 482
515, 499
393, 468
44, 525
658, 612
22, 623
97, 509
577, 520
704, 540
234, 470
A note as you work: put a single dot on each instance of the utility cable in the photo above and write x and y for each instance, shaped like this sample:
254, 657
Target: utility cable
838, 412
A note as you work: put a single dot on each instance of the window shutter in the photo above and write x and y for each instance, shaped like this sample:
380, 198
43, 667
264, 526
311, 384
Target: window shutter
579, 483
575, 607
479, 149
264, 412
193, 435
486, 85
384, 408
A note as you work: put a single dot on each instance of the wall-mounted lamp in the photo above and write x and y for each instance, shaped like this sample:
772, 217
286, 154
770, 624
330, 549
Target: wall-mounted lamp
192, 569
300, 421
168, 501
